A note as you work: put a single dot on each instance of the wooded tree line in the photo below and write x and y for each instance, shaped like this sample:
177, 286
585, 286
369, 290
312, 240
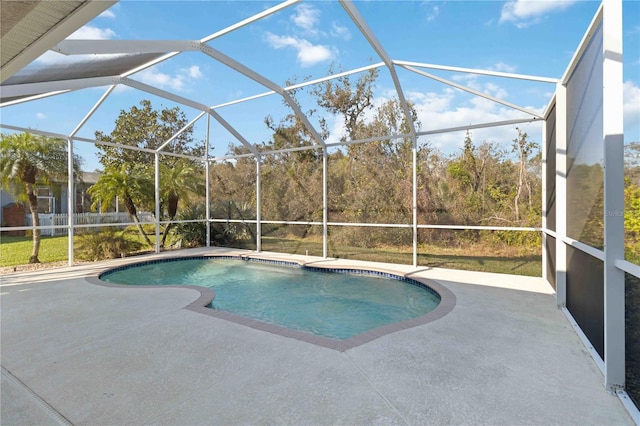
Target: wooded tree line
483, 183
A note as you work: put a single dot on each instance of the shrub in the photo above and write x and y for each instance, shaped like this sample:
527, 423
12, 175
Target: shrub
148, 228
516, 238
191, 234
194, 234
106, 244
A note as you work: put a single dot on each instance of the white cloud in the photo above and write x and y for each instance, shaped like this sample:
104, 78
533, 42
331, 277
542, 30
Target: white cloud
495, 90
86, 32
306, 17
178, 82
450, 108
473, 82
337, 129
107, 14
92, 33
631, 97
524, 13
340, 31
433, 13
308, 54
194, 71
160, 79
502, 67
431, 101
631, 106
51, 57
41, 116
235, 94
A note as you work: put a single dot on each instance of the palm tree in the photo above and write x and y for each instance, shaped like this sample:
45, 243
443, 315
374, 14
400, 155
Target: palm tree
27, 160
131, 185
177, 182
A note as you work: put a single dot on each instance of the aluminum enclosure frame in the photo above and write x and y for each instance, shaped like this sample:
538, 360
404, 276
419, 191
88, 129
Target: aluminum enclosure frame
609, 15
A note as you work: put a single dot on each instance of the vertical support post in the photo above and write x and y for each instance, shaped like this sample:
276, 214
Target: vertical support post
258, 210
325, 204
613, 146
207, 207
561, 195
207, 196
543, 221
414, 152
70, 199
157, 199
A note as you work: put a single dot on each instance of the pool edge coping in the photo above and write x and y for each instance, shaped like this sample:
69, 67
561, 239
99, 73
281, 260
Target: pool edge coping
447, 300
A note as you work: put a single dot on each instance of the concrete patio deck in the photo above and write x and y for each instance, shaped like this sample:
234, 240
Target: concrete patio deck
80, 353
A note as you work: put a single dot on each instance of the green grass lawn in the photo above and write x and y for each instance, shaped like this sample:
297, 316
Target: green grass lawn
473, 258
16, 251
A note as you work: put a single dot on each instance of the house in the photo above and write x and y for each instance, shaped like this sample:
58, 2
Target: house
52, 198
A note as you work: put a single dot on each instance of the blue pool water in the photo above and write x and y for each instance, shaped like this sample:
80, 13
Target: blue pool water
335, 305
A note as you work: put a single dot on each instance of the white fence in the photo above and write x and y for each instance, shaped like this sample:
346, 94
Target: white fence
84, 219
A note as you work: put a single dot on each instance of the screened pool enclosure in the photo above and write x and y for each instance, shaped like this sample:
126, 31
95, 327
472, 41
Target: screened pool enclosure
332, 166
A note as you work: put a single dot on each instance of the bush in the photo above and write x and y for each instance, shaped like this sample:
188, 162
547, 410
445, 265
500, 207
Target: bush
191, 234
367, 237
148, 228
516, 238
106, 244
194, 234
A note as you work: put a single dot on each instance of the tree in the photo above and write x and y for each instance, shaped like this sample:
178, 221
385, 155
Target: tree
233, 194
379, 181
130, 185
146, 128
351, 99
632, 155
291, 181
27, 160
467, 173
632, 220
178, 182
524, 148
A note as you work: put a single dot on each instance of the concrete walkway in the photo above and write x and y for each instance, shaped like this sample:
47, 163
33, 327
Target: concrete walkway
78, 353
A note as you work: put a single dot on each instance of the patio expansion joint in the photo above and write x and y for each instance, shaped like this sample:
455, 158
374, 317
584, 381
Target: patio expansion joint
34, 397
375, 388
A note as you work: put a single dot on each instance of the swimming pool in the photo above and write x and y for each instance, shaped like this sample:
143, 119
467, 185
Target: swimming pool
334, 303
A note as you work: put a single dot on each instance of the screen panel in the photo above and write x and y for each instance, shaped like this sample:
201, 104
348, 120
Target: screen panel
632, 334
551, 170
585, 295
585, 174
551, 260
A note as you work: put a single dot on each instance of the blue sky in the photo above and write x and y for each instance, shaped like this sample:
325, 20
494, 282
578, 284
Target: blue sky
302, 41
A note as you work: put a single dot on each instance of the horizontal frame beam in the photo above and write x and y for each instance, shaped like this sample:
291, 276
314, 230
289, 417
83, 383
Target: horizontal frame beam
478, 71
473, 91
28, 89
107, 47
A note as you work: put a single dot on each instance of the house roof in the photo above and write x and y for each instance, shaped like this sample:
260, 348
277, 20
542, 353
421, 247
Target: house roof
90, 177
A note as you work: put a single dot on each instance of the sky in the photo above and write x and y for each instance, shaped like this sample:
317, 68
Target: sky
305, 40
